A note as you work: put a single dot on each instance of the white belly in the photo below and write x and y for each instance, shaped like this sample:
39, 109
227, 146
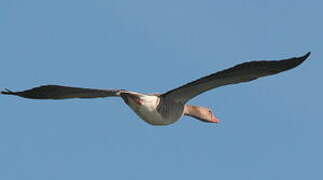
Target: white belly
148, 111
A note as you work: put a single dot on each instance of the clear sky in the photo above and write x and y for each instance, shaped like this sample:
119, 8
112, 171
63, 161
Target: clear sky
271, 128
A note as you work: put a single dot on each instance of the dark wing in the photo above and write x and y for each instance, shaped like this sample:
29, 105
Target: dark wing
62, 92
240, 73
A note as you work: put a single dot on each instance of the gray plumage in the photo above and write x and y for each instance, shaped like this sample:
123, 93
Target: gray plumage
240, 73
63, 92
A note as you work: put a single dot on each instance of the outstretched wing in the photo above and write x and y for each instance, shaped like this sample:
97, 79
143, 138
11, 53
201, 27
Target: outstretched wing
62, 92
240, 73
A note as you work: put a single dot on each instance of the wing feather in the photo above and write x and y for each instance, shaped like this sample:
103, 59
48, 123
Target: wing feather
240, 73
62, 92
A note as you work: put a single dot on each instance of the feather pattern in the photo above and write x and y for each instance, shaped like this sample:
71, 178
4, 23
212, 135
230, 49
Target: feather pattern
63, 92
240, 73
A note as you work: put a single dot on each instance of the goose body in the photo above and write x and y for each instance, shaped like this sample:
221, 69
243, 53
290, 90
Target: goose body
152, 110
167, 108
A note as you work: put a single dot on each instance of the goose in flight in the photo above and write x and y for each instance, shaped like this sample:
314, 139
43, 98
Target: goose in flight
167, 108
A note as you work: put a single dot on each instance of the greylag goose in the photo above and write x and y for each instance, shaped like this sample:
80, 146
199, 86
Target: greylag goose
167, 108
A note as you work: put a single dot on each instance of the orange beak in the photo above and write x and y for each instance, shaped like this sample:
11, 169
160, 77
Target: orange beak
214, 119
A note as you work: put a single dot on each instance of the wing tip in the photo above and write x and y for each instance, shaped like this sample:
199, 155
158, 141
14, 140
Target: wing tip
305, 56
7, 92
296, 61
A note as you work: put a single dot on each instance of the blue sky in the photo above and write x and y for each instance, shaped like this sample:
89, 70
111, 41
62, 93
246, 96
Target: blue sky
270, 128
